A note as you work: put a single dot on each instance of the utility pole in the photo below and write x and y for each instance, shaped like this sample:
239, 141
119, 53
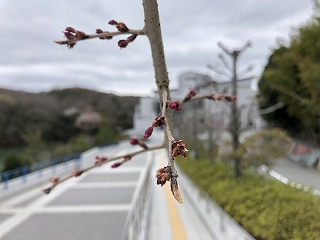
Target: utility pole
235, 123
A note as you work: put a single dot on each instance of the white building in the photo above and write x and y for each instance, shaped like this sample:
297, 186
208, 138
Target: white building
205, 111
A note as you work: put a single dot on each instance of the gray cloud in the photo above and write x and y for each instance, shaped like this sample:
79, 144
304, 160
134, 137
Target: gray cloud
29, 60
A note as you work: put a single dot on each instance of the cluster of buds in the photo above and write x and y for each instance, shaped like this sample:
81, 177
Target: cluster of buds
125, 159
120, 26
74, 35
230, 98
124, 43
190, 95
163, 175
100, 159
157, 122
99, 31
216, 97
136, 141
178, 148
174, 104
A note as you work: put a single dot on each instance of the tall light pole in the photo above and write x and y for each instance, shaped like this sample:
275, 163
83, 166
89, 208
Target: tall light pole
235, 124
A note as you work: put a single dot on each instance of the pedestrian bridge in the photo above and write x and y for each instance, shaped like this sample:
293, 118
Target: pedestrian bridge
115, 204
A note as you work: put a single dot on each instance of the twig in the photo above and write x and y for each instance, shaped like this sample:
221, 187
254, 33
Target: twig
92, 36
107, 160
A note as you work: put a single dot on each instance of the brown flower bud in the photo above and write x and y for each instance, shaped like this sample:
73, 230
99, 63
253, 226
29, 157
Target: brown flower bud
54, 180
230, 98
113, 22
117, 164
122, 27
179, 149
46, 190
76, 173
158, 121
134, 141
190, 94
174, 104
99, 31
123, 43
148, 132
163, 175
132, 38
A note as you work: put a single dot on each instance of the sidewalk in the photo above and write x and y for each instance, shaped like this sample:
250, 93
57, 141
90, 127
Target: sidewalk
170, 220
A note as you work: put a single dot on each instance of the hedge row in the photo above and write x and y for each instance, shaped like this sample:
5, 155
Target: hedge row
266, 208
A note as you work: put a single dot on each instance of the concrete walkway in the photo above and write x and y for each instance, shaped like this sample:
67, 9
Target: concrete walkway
171, 220
95, 206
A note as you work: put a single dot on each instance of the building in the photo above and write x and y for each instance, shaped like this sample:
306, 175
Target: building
204, 113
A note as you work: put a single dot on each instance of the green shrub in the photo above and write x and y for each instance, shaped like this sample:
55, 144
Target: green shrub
13, 161
266, 208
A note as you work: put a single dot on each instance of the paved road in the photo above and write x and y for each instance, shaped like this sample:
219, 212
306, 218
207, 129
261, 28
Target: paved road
294, 172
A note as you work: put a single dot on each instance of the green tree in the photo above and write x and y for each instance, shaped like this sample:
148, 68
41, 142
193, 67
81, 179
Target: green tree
13, 161
292, 77
60, 129
106, 134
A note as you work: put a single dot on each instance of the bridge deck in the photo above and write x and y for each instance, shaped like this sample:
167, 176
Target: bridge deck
95, 206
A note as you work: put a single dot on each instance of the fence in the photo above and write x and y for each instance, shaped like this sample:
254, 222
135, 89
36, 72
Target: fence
138, 216
19, 179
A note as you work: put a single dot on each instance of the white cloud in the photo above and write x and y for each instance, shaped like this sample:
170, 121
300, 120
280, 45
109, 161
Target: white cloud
30, 60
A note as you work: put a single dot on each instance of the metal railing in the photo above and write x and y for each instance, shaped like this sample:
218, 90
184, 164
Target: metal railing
137, 220
23, 172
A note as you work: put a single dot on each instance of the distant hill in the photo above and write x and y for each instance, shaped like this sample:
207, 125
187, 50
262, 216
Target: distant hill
33, 109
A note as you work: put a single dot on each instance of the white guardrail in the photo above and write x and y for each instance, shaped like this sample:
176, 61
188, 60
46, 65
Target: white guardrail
137, 221
36, 178
20, 184
220, 225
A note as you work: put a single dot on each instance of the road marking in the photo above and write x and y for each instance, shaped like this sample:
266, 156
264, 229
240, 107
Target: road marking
177, 229
104, 185
71, 209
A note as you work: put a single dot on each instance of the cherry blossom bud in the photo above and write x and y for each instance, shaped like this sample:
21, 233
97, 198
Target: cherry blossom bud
99, 31
230, 98
134, 141
179, 149
113, 22
132, 38
163, 175
158, 121
69, 36
54, 180
70, 29
193, 92
46, 190
174, 104
76, 173
115, 165
148, 132
122, 27
190, 94
123, 43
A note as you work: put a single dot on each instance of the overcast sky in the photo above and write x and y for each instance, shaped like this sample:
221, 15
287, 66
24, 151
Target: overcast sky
31, 61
